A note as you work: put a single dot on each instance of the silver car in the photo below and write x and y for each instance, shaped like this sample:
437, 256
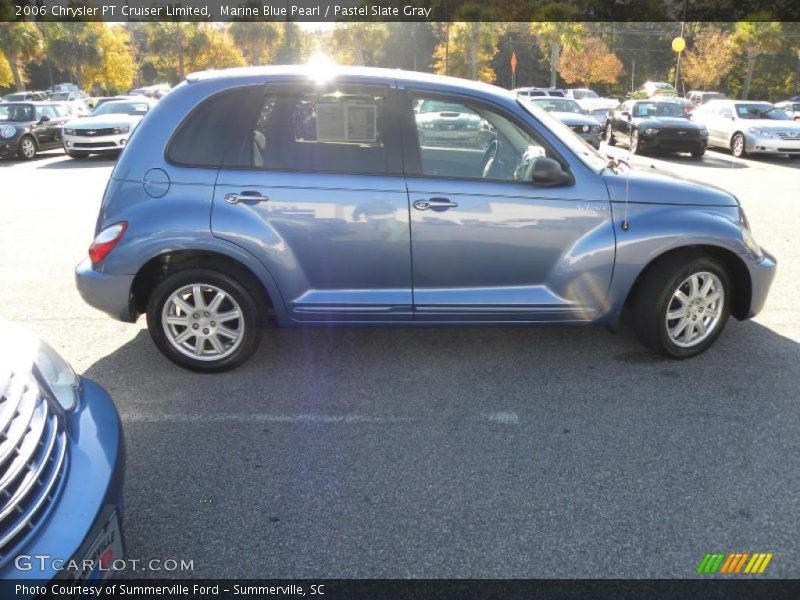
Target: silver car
747, 127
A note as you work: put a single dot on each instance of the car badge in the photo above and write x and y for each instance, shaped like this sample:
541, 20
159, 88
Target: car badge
90, 132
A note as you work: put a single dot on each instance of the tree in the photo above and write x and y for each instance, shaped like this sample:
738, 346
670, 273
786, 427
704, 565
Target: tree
6, 77
468, 51
554, 37
293, 48
20, 43
74, 47
358, 43
754, 38
711, 59
116, 70
257, 40
218, 53
592, 63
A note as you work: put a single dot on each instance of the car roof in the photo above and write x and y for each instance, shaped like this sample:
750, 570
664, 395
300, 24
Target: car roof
365, 74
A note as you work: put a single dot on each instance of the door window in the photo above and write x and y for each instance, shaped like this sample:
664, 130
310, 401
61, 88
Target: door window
469, 141
340, 129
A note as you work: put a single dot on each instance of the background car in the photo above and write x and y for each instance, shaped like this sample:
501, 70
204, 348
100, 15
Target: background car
450, 124
62, 461
77, 97
531, 92
658, 124
745, 127
25, 97
107, 129
655, 88
591, 102
573, 116
790, 108
698, 97
287, 209
27, 128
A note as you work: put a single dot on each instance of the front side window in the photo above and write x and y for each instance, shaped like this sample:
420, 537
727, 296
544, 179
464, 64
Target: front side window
337, 129
469, 141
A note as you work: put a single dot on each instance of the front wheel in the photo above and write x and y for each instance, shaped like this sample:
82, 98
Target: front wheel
610, 135
682, 305
203, 320
737, 146
698, 153
27, 148
635, 142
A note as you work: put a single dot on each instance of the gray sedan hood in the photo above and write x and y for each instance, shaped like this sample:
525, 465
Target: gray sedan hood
657, 186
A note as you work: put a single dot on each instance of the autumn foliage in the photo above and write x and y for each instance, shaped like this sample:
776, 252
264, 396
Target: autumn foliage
591, 63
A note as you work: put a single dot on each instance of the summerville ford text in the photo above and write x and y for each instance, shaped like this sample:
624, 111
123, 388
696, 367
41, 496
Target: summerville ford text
166, 591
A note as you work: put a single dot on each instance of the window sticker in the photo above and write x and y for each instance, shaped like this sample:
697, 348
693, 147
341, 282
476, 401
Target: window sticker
346, 123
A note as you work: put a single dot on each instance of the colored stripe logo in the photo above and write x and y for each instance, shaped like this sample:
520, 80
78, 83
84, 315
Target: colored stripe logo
735, 563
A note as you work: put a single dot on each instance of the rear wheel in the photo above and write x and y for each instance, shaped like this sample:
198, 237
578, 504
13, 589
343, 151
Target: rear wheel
683, 304
203, 320
27, 148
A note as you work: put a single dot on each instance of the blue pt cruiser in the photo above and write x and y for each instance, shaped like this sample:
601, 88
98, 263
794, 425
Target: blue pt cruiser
297, 196
61, 469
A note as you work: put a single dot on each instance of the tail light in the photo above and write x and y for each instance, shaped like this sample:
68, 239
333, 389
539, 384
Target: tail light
106, 240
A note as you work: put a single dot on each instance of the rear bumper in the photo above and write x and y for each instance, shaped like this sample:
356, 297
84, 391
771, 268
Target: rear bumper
107, 292
762, 273
88, 495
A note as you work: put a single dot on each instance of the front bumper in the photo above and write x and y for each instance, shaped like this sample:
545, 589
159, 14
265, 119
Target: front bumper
105, 143
771, 145
591, 138
90, 491
8, 149
762, 273
107, 292
672, 143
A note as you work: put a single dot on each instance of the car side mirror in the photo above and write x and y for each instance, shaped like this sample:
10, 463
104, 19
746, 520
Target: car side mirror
44, 119
549, 172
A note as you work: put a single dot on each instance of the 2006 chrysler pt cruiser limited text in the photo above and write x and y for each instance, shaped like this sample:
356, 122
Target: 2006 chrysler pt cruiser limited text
296, 196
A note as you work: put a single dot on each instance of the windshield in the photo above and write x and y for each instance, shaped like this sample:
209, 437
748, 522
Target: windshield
61, 110
14, 97
761, 111
588, 155
121, 108
551, 104
16, 113
581, 94
658, 109
60, 96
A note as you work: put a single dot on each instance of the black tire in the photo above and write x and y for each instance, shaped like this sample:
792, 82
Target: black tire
654, 296
738, 149
77, 154
698, 153
634, 142
23, 144
610, 135
245, 298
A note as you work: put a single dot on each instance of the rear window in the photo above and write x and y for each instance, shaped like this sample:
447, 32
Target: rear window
220, 123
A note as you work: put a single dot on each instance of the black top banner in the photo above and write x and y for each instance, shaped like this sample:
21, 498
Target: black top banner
401, 10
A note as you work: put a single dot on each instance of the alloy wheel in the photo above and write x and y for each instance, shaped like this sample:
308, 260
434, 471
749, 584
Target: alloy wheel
203, 322
28, 148
694, 309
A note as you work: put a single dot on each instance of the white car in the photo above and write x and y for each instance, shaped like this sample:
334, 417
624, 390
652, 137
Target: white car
790, 108
749, 127
107, 130
592, 103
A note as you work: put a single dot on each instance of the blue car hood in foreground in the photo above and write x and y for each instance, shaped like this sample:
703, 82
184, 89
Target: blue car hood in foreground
654, 186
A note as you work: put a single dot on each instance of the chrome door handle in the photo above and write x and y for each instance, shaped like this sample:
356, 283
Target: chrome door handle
434, 203
246, 197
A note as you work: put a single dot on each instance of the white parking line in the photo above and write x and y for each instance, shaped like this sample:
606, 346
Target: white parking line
503, 418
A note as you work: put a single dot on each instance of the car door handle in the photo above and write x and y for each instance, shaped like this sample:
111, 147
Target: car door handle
435, 203
248, 197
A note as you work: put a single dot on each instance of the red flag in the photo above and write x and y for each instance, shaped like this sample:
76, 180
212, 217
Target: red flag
513, 62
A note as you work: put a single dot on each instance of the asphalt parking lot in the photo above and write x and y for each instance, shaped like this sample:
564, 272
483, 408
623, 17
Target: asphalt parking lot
437, 452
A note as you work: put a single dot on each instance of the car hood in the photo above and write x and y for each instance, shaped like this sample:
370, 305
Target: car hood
104, 121
598, 103
573, 119
773, 125
657, 186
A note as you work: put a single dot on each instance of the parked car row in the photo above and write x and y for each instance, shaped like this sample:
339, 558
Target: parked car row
27, 128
